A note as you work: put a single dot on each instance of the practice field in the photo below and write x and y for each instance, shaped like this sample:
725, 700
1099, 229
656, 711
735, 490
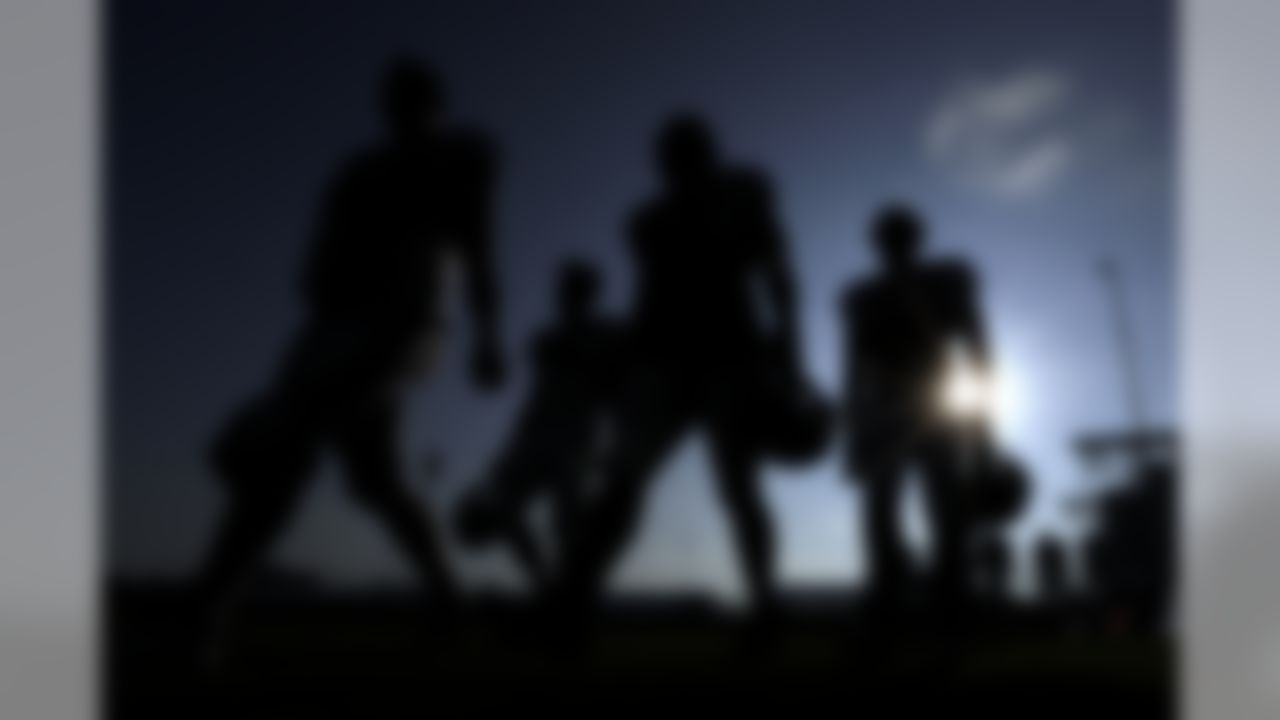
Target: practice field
383, 658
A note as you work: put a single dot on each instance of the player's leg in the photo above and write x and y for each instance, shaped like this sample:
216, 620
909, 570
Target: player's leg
887, 559
740, 493
495, 509
494, 512
945, 512
367, 446
531, 558
250, 522
567, 501
263, 459
245, 532
651, 415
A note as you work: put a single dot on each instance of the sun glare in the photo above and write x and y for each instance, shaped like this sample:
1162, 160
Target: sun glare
967, 394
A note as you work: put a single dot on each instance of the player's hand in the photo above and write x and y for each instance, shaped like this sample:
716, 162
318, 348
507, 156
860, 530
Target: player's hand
487, 367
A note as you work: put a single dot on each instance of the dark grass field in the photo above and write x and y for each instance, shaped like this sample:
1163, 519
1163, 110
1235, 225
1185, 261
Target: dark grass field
386, 658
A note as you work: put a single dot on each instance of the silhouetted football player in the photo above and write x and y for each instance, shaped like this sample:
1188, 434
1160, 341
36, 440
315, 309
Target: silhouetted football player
707, 250
372, 286
560, 434
904, 326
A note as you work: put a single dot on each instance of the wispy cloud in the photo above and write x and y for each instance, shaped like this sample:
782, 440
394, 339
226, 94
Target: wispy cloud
1005, 136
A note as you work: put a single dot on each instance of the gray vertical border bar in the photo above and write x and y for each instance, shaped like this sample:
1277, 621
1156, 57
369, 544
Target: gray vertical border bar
48, 358
1230, 260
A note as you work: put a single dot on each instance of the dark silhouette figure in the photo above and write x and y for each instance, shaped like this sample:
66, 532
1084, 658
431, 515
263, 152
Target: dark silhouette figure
702, 353
1131, 558
1051, 569
991, 568
371, 286
559, 436
996, 490
1061, 607
902, 325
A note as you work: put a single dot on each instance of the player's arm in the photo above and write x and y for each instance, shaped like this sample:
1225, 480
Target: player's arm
971, 328
327, 258
477, 174
854, 371
775, 262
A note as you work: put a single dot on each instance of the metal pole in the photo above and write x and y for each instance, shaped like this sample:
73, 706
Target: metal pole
1126, 341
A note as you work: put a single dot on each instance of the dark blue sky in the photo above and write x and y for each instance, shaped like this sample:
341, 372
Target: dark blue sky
1037, 137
